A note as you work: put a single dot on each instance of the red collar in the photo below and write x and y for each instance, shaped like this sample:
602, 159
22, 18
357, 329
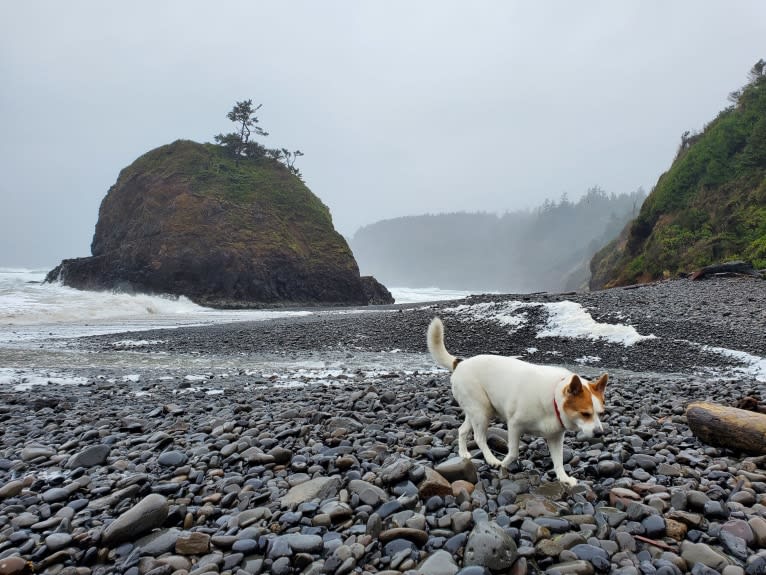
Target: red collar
558, 415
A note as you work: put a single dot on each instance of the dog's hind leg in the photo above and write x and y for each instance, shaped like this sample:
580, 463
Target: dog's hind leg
480, 435
462, 439
513, 446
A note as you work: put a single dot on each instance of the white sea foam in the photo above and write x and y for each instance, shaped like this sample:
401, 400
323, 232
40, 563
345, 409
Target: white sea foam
25, 380
570, 319
565, 319
291, 383
26, 300
420, 295
128, 343
32, 310
507, 313
753, 366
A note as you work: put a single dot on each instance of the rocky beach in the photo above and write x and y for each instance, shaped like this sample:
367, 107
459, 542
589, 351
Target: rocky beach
327, 443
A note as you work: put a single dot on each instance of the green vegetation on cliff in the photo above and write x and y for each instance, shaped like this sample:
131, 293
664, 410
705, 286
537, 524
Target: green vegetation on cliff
293, 218
710, 206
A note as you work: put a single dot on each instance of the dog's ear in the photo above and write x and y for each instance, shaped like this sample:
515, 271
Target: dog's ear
575, 386
600, 384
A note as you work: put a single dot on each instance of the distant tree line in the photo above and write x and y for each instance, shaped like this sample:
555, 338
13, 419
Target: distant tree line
239, 144
545, 249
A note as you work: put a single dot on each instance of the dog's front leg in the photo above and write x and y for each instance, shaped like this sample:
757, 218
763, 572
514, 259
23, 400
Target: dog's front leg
556, 447
513, 446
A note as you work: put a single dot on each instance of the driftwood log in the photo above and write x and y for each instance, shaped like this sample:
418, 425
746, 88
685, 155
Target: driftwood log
737, 267
730, 427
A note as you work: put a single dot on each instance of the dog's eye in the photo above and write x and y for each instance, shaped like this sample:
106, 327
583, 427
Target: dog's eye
586, 414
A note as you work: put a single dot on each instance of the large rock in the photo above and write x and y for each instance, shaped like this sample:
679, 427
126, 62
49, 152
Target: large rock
90, 456
490, 546
187, 219
439, 563
317, 488
694, 553
375, 292
458, 468
144, 516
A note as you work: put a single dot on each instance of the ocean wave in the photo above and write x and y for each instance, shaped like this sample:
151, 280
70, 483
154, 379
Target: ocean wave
31, 309
28, 302
405, 295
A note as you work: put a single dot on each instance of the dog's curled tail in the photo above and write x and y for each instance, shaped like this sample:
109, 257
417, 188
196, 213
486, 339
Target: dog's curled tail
435, 339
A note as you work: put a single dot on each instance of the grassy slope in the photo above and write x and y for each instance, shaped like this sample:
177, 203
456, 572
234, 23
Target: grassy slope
276, 211
710, 206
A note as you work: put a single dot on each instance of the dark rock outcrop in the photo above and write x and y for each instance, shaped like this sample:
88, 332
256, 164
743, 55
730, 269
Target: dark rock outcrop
375, 292
187, 219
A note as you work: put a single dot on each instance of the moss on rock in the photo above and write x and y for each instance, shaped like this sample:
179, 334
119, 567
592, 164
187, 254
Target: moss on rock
189, 219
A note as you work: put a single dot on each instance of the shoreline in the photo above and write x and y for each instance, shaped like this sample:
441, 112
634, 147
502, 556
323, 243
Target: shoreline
677, 326
203, 455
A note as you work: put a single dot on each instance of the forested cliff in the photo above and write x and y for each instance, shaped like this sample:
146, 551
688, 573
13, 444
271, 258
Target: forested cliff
710, 206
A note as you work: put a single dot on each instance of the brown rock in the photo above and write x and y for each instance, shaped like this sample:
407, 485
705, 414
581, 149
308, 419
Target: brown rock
541, 507
675, 529
194, 543
14, 566
345, 462
461, 485
758, 526
11, 489
740, 528
624, 497
434, 484
693, 520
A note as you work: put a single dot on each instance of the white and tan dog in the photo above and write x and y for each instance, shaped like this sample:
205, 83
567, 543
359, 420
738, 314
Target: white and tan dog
538, 399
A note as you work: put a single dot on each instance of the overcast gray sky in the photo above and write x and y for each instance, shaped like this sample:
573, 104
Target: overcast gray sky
400, 107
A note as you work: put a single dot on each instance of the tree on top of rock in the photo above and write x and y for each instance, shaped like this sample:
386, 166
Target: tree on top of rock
288, 159
243, 115
239, 144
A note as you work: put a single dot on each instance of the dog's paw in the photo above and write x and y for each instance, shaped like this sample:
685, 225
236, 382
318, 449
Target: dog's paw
570, 481
508, 461
494, 462
464, 454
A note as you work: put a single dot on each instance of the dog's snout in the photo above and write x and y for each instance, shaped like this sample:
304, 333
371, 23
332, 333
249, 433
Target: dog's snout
598, 432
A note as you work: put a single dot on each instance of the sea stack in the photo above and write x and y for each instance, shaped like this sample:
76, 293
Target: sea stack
189, 219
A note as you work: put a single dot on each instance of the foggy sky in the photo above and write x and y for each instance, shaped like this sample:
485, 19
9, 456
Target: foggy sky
399, 107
